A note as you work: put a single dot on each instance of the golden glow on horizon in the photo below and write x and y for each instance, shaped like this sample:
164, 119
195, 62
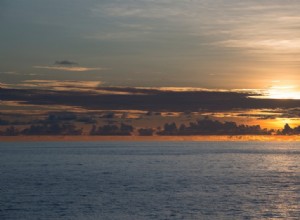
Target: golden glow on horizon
283, 92
277, 123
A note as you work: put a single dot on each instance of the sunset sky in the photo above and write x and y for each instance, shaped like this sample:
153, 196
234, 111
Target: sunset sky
189, 43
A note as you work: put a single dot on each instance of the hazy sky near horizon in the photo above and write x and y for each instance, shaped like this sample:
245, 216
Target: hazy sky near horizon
197, 43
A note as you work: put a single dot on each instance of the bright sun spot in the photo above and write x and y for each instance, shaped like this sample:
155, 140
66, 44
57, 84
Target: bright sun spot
283, 92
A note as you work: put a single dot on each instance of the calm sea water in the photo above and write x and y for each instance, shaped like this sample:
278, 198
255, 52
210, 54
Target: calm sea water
153, 180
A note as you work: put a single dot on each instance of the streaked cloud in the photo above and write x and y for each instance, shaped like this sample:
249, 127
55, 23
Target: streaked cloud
70, 68
26, 108
61, 85
118, 35
133, 99
290, 45
253, 24
9, 73
4, 85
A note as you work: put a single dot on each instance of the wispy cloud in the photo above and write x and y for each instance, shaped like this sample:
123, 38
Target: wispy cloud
70, 68
18, 73
288, 45
61, 85
118, 35
26, 108
4, 85
233, 24
10, 73
143, 9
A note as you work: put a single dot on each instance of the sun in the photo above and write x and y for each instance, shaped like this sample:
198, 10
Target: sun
283, 92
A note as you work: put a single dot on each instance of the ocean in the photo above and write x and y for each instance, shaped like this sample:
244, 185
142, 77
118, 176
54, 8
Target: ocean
150, 180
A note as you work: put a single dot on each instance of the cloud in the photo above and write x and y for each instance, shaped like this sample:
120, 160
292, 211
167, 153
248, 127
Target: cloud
65, 85
65, 62
26, 108
289, 45
118, 35
78, 93
150, 9
10, 73
157, 90
4, 85
70, 68
243, 25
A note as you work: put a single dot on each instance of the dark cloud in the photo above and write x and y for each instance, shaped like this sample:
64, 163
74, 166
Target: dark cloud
130, 90
155, 100
65, 62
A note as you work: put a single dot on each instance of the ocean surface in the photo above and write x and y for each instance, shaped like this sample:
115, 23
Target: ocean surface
150, 180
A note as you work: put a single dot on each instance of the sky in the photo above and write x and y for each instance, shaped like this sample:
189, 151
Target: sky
220, 44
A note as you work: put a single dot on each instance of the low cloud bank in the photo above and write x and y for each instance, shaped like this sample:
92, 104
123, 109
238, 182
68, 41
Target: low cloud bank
139, 99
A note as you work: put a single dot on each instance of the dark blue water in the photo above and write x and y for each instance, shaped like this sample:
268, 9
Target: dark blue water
170, 180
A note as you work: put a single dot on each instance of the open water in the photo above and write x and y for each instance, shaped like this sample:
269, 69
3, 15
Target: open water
150, 180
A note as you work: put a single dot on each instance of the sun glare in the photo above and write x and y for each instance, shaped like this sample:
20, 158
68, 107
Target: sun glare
283, 92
